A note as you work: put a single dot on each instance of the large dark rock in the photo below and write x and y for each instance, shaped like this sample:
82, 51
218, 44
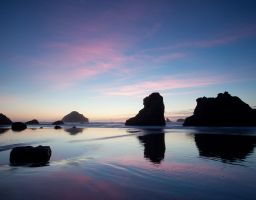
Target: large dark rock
29, 155
18, 126
4, 120
224, 110
58, 123
32, 122
152, 114
75, 117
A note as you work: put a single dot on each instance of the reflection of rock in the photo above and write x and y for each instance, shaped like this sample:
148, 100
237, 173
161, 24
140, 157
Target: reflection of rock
152, 114
224, 110
75, 117
74, 130
228, 148
30, 155
58, 123
4, 120
3, 130
18, 126
32, 122
180, 120
154, 147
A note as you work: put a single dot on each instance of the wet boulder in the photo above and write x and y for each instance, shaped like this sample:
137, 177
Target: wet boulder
57, 127
152, 114
18, 126
29, 155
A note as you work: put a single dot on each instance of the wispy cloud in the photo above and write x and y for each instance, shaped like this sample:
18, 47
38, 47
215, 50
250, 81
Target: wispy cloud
166, 84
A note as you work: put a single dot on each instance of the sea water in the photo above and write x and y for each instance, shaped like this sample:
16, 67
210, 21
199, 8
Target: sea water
112, 161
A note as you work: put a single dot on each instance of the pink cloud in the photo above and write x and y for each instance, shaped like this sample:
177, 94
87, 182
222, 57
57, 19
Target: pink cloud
165, 84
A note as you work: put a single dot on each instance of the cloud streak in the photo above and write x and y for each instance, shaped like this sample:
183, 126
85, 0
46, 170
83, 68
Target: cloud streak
165, 84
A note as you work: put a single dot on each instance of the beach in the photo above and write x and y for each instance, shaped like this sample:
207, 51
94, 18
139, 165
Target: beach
111, 161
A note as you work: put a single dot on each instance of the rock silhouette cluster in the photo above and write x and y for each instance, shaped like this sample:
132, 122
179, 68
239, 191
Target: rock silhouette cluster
4, 120
29, 155
224, 110
75, 117
152, 114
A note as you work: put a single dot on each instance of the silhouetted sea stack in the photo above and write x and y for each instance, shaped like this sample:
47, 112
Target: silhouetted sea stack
18, 126
58, 123
152, 114
30, 155
75, 117
4, 120
224, 110
32, 122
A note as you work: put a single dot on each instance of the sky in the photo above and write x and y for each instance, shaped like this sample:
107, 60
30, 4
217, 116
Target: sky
102, 57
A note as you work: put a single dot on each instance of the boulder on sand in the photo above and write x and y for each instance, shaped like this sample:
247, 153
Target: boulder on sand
30, 155
18, 126
152, 114
224, 110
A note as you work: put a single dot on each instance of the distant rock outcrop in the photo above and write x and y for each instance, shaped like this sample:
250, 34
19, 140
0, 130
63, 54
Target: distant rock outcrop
224, 110
32, 122
58, 123
152, 114
168, 120
4, 120
18, 126
180, 120
29, 155
75, 117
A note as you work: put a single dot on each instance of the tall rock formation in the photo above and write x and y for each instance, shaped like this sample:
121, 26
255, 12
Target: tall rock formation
152, 114
224, 110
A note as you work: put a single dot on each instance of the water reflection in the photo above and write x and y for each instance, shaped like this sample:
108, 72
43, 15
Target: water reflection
226, 148
74, 131
3, 130
154, 145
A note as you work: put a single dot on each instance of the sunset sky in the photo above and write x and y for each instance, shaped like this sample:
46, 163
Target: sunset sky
102, 58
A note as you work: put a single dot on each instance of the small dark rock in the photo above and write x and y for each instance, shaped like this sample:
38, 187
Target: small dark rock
59, 122
4, 120
152, 114
57, 127
18, 126
32, 122
29, 155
